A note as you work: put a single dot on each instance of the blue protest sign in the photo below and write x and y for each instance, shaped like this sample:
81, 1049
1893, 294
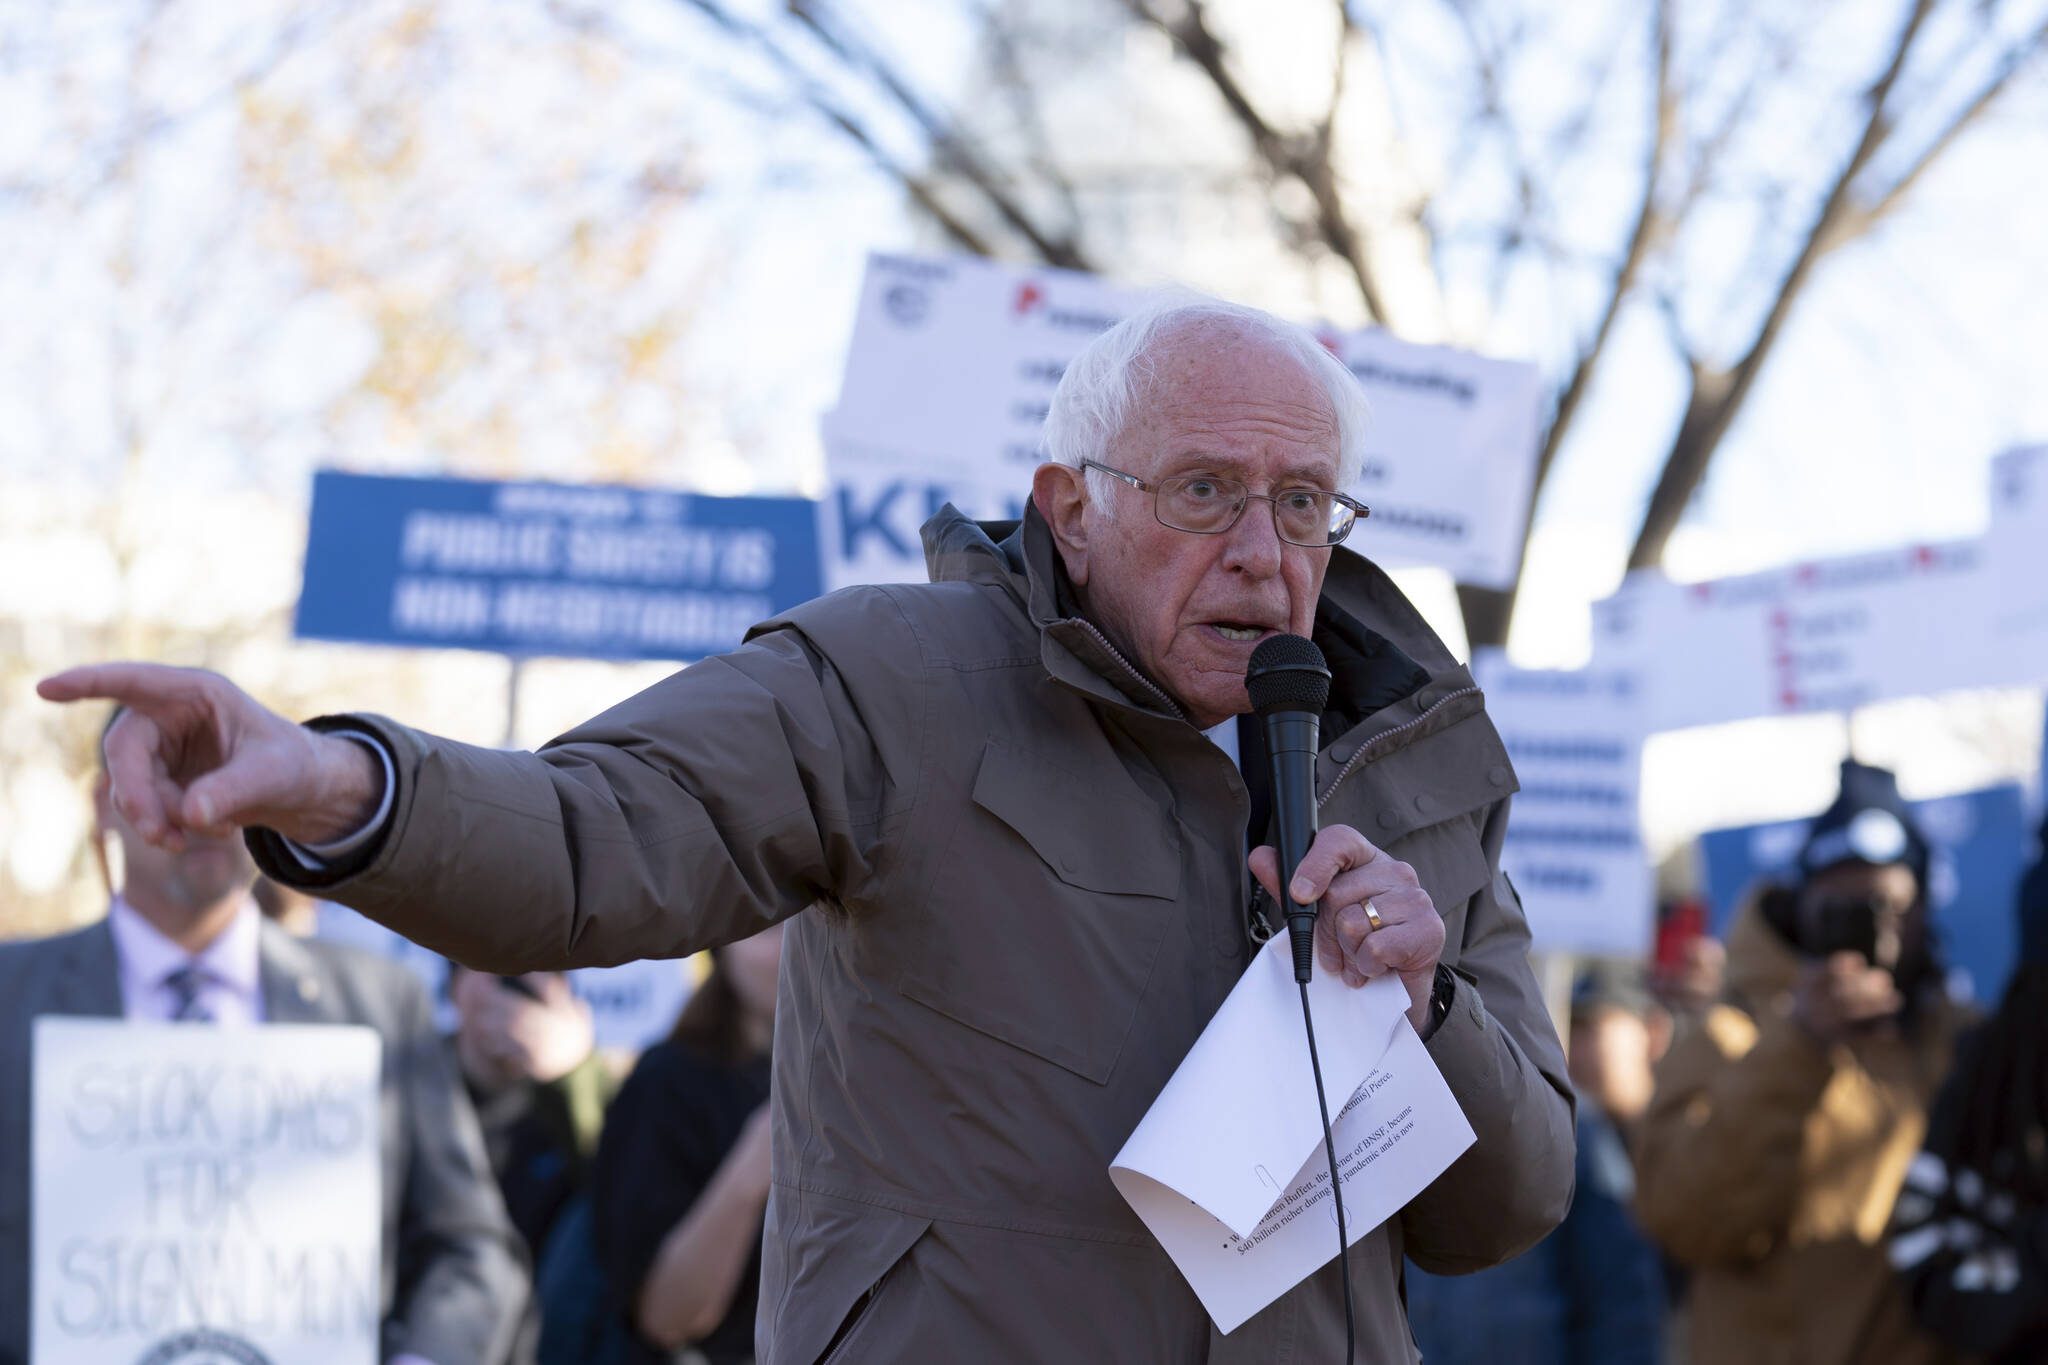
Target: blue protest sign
594, 571
1981, 844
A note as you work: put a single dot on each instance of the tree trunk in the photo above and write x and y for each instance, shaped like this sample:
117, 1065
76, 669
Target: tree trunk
1487, 612
1710, 410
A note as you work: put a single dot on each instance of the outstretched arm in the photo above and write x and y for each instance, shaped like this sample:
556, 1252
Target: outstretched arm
725, 798
192, 752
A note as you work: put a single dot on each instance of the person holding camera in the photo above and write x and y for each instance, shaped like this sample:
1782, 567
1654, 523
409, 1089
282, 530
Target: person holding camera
1780, 1130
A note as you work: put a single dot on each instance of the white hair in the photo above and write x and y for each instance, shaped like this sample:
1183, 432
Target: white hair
1094, 397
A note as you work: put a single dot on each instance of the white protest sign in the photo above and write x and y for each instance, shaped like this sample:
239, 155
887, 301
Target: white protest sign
204, 1193
2016, 557
1574, 845
957, 358
631, 1005
954, 361
635, 1003
1826, 635
1228, 1168
880, 497
1623, 622
1450, 455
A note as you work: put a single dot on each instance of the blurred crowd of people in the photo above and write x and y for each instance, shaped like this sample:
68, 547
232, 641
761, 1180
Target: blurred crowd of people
639, 1204
1793, 1146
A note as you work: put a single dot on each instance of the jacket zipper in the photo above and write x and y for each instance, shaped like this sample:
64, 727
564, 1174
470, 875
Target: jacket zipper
1116, 654
1377, 745
851, 1323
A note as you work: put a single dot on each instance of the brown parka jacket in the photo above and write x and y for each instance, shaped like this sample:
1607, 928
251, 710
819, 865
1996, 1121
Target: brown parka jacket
1769, 1164
1029, 872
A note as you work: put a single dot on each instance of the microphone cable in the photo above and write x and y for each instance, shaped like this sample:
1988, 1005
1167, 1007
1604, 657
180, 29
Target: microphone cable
1336, 1185
1288, 684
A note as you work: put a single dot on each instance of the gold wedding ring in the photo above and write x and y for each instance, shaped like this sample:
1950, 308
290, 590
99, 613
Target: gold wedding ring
1373, 916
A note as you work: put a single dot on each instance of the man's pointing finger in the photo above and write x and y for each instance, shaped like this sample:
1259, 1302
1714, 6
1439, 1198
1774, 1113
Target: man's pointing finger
141, 686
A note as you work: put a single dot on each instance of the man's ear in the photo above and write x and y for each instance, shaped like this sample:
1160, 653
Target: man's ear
103, 831
1060, 492
103, 803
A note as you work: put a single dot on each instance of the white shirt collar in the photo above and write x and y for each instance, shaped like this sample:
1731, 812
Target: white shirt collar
1224, 737
231, 963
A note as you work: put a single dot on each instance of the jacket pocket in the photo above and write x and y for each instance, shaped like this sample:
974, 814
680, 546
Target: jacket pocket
845, 1341
1424, 803
1452, 868
844, 1259
1047, 910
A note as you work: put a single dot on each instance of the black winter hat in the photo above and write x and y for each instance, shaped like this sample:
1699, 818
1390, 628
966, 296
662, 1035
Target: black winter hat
1868, 823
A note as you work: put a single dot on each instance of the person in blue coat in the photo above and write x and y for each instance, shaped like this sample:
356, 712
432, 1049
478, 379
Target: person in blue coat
1594, 1292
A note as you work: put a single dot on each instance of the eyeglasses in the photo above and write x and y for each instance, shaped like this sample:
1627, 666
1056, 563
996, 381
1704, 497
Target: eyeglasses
1209, 505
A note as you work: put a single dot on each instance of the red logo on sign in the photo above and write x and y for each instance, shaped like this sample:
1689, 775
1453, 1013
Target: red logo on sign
1029, 296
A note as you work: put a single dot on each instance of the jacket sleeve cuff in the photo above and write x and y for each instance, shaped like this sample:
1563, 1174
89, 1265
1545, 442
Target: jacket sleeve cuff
314, 867
1442, 992
1454, 1008
319, 857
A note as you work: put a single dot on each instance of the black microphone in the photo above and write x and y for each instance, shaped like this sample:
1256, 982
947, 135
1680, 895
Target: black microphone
1289, 684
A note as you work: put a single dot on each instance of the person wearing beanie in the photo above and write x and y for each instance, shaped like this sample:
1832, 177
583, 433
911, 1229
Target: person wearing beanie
1780, 1129
1970, 1233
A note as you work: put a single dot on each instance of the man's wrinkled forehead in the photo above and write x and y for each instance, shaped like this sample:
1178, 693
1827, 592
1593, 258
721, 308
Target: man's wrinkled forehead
1214, 390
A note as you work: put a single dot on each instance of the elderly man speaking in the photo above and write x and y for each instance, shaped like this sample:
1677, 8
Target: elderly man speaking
1028, 863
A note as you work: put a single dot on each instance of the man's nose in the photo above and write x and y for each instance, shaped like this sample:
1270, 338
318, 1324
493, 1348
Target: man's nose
1253, 546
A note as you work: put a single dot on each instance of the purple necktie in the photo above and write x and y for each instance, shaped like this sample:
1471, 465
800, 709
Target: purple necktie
185, 985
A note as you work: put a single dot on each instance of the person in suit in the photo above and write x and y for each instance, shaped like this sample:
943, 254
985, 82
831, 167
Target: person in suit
183, 940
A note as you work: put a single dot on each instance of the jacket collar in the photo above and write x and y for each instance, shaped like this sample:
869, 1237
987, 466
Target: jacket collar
1380, 651
87, 978
147, 956
294, 986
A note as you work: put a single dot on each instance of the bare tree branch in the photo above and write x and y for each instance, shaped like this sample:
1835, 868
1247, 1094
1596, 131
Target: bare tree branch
921, 191
1002, 182
1326, 129
1708, 151
1572, 134
1663, 131
1284, 158
1674, 326
299, 32
1718, 396
1016, 87
949, 147
1487, 613
1864, 217
1487, 66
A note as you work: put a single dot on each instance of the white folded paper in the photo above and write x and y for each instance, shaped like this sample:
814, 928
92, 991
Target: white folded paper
1228, 1169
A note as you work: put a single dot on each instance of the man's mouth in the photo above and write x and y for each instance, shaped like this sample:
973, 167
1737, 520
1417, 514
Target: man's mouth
1238, 630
